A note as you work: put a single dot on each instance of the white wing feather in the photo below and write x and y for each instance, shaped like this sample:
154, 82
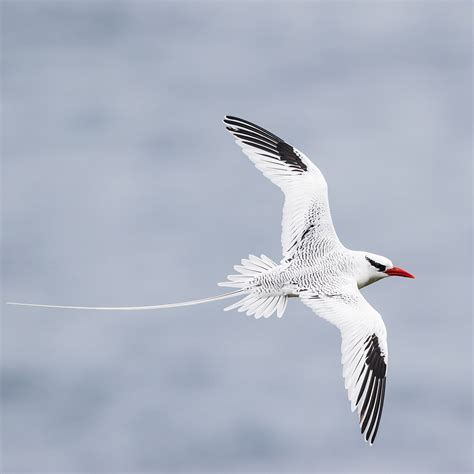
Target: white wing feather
305, 189
364, 352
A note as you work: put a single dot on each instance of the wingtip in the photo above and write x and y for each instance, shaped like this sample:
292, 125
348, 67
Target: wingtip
228, 119
369, 437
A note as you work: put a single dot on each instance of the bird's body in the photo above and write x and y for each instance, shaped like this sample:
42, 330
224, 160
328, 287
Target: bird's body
315, 267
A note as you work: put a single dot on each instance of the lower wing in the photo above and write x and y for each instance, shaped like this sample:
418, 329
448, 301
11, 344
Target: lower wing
364, 352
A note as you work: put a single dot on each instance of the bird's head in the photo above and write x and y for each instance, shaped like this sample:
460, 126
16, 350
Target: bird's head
374, 267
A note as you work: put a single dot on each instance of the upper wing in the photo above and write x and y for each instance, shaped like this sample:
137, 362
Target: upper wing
306, 207
364, 353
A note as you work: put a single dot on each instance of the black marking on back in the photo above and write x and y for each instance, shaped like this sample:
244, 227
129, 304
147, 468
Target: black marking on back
305, 233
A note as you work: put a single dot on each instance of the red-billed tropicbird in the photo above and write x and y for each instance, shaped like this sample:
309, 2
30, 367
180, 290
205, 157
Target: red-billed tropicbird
316, 268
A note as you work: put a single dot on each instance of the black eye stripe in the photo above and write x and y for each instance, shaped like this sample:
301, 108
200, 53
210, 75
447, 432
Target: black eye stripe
378, 266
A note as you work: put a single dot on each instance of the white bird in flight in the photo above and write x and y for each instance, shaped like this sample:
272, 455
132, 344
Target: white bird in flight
316, 268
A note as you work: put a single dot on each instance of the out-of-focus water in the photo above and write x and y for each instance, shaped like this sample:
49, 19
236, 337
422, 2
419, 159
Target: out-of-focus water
121, 187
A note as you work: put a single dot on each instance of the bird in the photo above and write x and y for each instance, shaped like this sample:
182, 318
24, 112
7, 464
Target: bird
315, 267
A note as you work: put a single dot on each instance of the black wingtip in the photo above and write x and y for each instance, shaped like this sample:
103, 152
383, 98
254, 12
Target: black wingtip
231, 119
227, 118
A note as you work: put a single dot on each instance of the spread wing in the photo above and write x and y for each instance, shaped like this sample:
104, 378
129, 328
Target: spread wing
364, 353
306, 209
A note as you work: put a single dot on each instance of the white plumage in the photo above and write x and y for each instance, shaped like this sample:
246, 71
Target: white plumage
315, 267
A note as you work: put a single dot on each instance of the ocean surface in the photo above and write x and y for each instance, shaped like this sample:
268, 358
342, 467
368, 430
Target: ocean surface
120, 186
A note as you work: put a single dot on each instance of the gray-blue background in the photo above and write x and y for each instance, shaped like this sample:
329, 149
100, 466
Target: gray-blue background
121, 187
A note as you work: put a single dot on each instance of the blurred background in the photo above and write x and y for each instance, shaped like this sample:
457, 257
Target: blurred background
122, 187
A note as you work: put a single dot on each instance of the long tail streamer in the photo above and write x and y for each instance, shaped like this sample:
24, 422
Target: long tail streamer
134, 308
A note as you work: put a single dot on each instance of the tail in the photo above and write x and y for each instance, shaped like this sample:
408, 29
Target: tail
257, 304
136, 308
254, 303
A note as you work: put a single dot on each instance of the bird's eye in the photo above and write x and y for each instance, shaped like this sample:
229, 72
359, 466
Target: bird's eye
376, 265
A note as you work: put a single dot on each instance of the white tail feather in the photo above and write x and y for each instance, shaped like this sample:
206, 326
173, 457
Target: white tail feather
260, 305
135, 308
248, 270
